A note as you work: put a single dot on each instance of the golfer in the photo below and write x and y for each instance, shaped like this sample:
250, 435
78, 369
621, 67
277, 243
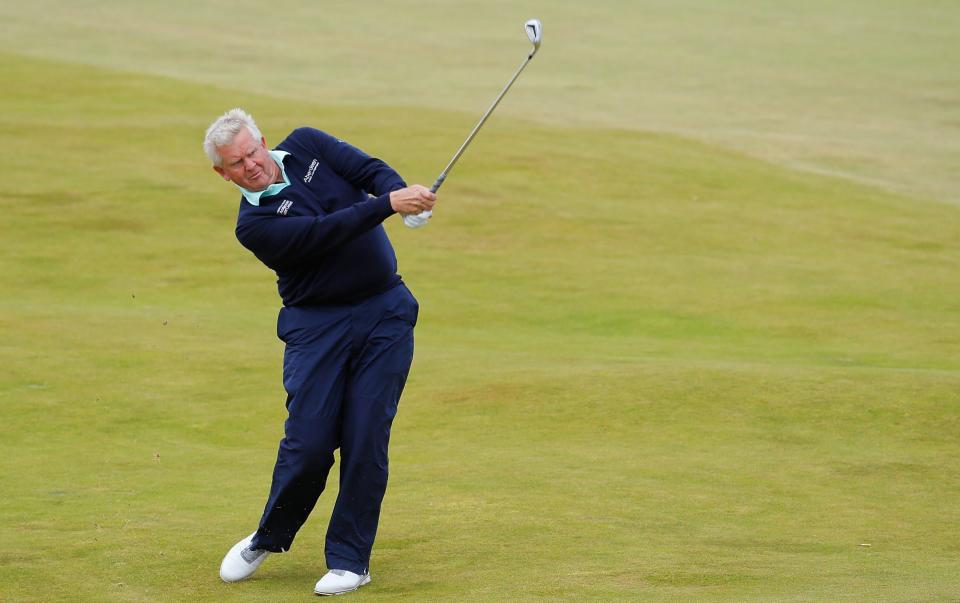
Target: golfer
311, 210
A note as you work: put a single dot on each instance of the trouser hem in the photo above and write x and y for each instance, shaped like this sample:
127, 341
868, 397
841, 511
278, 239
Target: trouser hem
267, 546
340, 564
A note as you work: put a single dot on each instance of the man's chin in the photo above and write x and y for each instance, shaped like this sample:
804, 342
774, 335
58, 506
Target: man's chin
255, 186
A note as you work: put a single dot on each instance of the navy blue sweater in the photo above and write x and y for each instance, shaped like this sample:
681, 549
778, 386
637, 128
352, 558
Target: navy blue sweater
322, 234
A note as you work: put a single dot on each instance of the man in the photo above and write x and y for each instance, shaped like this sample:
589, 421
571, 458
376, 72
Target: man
306, 211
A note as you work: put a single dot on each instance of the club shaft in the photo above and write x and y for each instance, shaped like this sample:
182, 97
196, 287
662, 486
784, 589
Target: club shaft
463, 147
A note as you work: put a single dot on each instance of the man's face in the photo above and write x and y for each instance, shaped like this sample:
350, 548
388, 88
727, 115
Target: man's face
247, 163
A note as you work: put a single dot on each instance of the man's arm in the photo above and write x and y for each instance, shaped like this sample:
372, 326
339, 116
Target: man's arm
283, 242
369, 173
356, 167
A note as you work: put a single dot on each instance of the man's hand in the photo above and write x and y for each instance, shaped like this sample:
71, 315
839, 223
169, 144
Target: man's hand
412, 200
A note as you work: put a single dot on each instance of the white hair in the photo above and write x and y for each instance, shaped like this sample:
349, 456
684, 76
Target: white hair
224, 130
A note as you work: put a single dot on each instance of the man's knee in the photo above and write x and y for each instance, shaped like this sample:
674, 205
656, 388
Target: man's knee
309, 442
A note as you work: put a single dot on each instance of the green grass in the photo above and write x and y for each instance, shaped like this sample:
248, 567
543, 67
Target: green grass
864, 89
648, 368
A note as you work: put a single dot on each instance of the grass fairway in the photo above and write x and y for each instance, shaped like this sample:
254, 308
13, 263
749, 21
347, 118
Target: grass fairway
648, 368
864, 89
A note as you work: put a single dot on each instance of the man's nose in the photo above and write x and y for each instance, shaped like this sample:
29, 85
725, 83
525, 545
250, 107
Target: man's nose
249, 163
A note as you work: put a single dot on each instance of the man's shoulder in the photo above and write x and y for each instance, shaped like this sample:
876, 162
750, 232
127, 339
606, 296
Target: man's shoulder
302, 136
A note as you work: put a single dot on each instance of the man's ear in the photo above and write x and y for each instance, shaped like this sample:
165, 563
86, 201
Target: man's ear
222, 173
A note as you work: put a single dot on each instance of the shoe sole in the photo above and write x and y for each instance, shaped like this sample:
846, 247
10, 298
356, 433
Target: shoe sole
363, 582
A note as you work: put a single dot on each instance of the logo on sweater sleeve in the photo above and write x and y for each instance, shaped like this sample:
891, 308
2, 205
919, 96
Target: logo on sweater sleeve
284, 208
311, 170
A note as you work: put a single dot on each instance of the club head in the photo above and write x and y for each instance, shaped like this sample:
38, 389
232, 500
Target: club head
534, 31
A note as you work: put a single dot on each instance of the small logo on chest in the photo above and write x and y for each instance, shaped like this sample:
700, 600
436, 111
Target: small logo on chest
284, 208
311, 170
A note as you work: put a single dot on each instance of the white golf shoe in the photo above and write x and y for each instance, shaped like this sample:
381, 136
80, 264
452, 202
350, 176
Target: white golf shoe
241, 561
337, 582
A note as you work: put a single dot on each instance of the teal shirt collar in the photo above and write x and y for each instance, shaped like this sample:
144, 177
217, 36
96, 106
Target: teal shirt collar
254, 198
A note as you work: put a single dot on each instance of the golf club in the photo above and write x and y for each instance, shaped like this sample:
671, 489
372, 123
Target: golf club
534, 31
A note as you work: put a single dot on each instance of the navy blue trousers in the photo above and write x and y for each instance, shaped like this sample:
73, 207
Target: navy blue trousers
344, 368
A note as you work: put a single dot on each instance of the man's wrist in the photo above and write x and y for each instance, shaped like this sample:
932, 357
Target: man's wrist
389, 202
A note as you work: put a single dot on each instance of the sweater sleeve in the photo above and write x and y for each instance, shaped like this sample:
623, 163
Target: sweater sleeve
284, 242
353, 165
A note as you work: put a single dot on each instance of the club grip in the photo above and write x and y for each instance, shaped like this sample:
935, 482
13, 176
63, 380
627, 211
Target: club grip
436, 185
420, 220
